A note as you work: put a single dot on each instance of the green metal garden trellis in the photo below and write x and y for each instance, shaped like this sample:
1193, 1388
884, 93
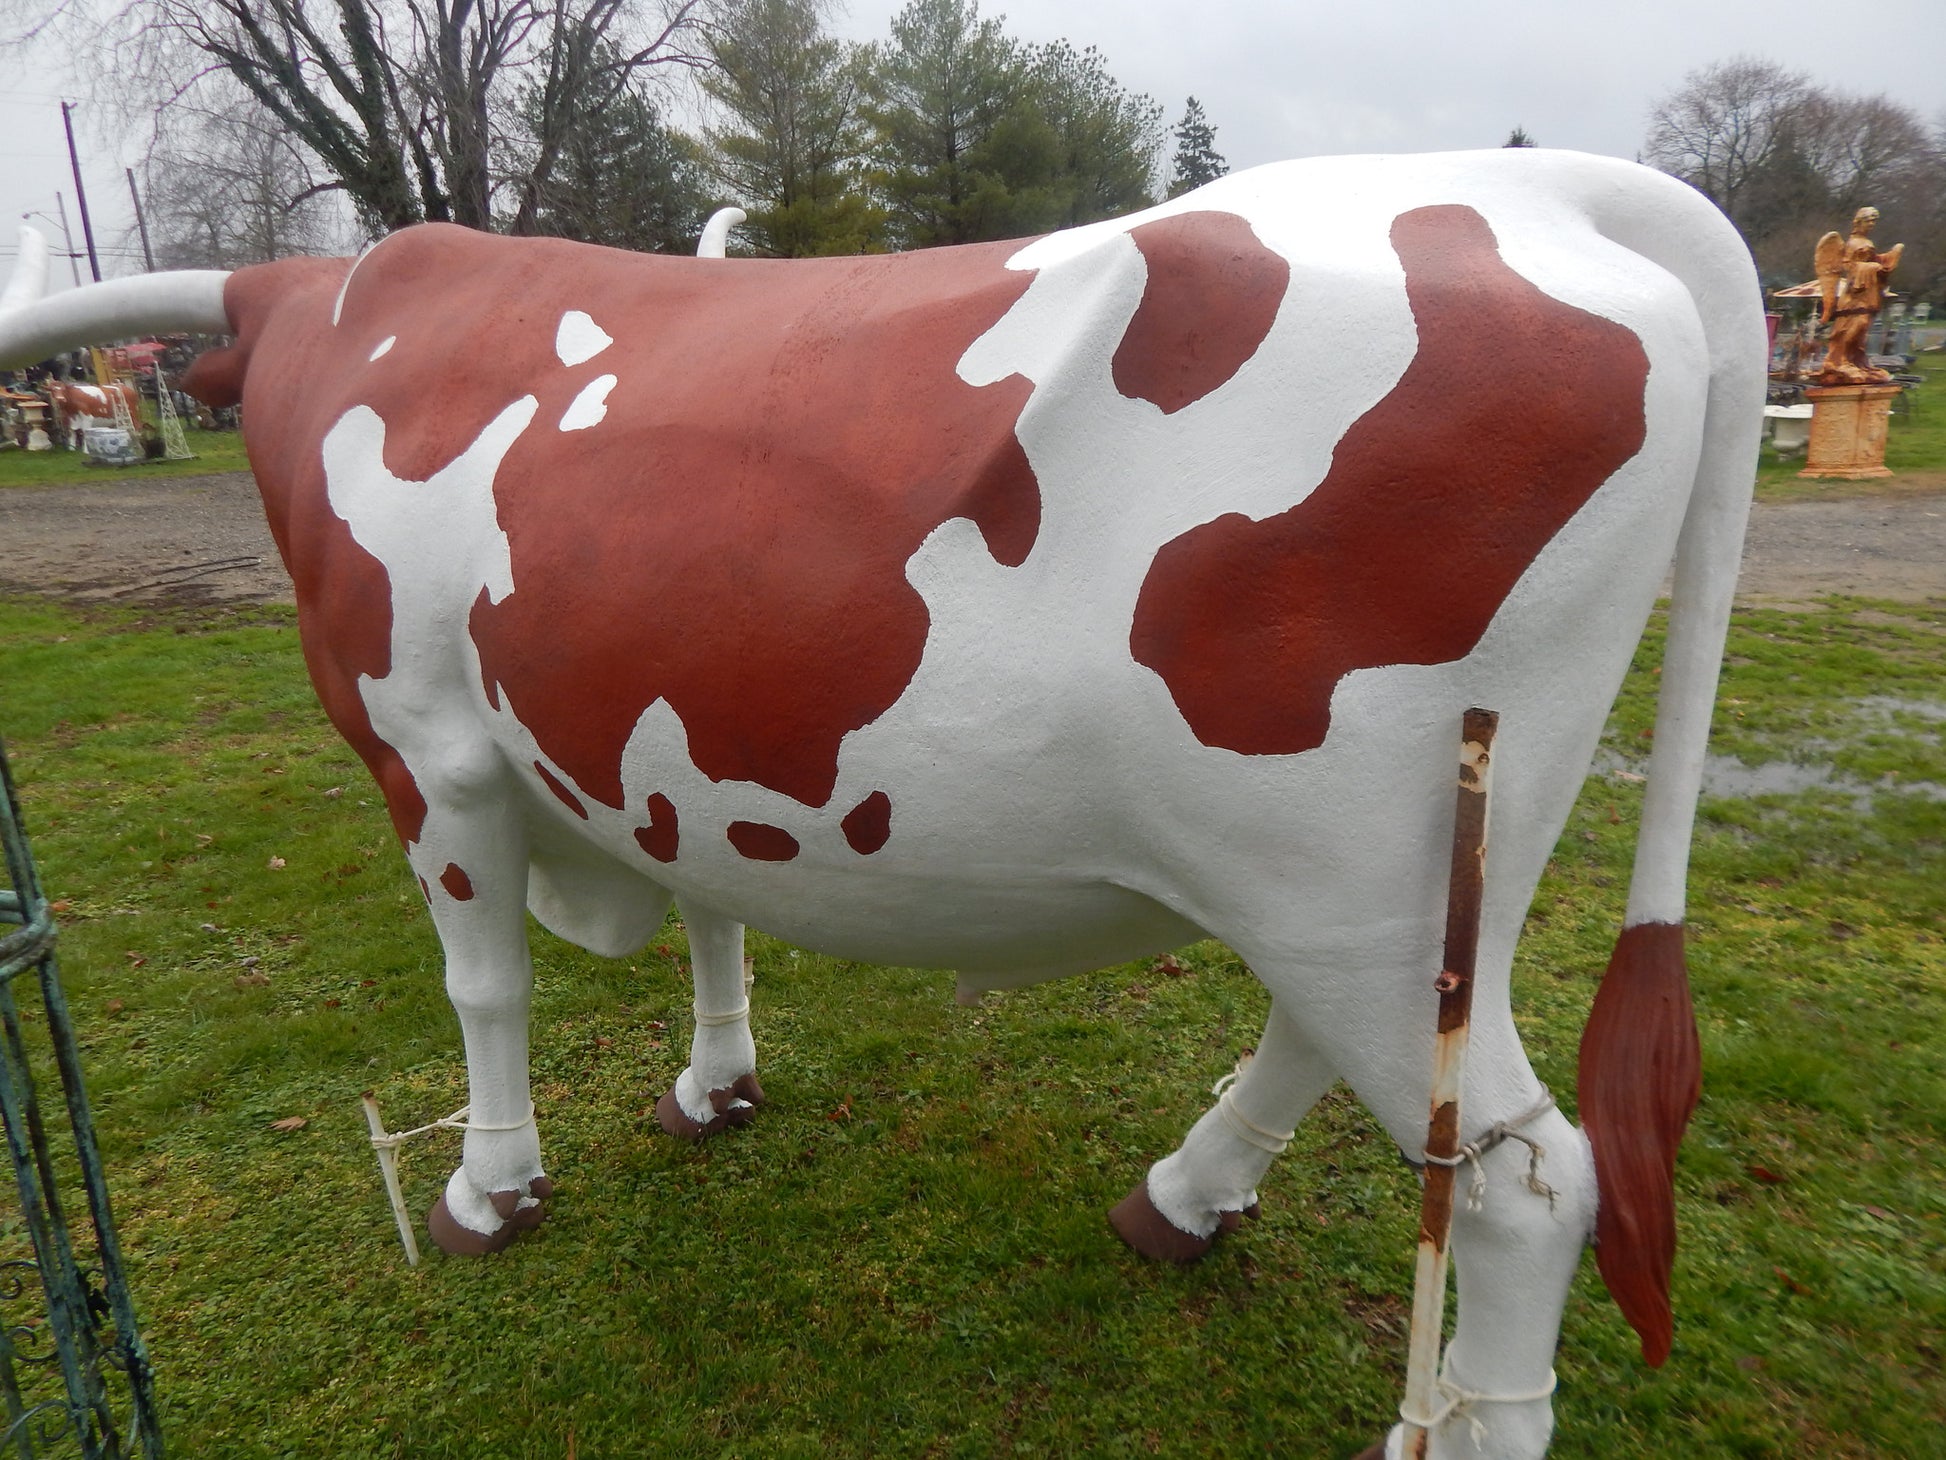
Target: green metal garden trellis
105, 1403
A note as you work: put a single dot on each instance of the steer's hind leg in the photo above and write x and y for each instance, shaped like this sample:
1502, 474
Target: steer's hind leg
1187, 1198
1516, 1254
478, 896
720, 1086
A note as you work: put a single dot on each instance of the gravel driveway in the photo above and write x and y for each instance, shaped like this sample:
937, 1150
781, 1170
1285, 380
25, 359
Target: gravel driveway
203, 539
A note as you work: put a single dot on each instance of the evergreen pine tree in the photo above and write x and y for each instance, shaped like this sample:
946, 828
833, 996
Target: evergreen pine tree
1197, 160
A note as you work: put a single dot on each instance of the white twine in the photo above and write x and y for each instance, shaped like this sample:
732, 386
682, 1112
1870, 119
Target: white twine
716, 1021
1460, 1399
459, 1120
1247, 1130
1243, 1063
1242, 1126
1496, 1134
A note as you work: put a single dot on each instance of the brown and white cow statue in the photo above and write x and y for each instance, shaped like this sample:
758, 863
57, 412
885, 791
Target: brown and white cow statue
78, 407
1027, 607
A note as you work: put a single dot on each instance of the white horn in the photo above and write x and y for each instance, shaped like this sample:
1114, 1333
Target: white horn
29, 280
716, 233
31, 329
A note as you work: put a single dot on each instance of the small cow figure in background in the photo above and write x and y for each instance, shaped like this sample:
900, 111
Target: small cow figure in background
78, 407
1023, 608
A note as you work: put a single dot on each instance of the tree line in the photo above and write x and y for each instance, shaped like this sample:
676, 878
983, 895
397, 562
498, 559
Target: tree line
1789, 161
278, 123
283, 126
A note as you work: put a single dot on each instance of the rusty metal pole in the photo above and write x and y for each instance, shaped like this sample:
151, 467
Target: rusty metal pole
1455, 986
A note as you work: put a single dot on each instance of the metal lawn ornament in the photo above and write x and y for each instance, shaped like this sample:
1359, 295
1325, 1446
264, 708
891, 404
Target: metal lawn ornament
1027, 607
1851, 287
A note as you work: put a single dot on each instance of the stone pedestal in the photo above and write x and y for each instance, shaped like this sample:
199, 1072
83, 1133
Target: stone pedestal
1848, 430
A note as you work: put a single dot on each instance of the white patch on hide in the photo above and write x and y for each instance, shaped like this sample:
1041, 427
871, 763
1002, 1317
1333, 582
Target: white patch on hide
441, 543
440, 539
384, 346
589, 407
338, 304
579, 339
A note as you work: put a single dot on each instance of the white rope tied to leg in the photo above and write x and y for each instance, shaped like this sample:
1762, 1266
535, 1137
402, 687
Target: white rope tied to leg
521, 1124
387, 1142
458, 1120
717, 1021
1236, 1073
1247, 1130
1497, 1134
1460, 1401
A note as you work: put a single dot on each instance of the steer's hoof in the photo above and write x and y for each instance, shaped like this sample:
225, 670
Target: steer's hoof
670, 1115
1138, 1222
449, 1236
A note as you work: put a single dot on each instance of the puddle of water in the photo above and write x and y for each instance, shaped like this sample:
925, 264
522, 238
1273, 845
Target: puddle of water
1892, 705
1726, 776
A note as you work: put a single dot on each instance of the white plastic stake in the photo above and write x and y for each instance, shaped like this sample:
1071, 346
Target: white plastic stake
388, 1163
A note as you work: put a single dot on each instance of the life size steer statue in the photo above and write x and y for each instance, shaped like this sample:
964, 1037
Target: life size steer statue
1027, 607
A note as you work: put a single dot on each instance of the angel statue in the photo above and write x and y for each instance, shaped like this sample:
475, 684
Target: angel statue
1851, 281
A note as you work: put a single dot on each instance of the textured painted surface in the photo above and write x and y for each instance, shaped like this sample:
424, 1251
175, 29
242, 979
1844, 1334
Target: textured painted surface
761, 842
660, 838
566, 797
868, 825
1514, 410
758, 514
1212, 292
1640, 1077
458, 885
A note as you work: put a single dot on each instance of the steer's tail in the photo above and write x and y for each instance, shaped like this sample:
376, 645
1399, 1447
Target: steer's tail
32, 328
1640, 1070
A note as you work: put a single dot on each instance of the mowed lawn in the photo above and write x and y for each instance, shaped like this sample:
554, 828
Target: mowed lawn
907, 1253
212, 451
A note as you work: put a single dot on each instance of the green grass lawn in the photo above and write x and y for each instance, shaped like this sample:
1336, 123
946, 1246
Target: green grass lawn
214, 451
907, 1253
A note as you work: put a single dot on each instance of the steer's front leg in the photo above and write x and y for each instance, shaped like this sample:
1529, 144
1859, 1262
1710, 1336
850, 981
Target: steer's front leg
720, 1086
478, 897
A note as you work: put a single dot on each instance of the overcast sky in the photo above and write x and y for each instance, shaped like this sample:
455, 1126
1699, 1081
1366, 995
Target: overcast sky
1279, 78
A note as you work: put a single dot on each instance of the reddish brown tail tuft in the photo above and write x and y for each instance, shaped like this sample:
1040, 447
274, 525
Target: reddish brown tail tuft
1641, 1073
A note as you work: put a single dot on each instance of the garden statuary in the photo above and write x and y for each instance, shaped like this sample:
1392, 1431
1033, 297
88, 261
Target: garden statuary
1027, 607
1852, 399
1851, 284
77, 407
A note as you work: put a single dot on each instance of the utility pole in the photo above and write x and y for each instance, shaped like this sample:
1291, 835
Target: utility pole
67, 238
80, 192
141, 224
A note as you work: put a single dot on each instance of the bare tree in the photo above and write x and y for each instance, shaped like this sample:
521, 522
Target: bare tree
1789, 161
403, 104
222, 191
1725, 126
1864, 149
